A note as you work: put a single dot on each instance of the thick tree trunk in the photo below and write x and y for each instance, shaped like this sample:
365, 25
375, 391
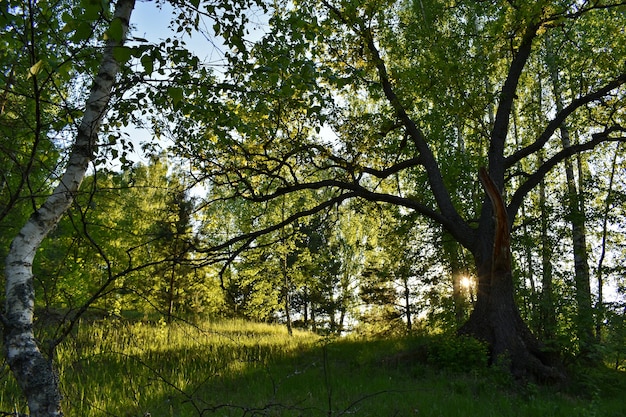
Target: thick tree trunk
32, 370
496, 318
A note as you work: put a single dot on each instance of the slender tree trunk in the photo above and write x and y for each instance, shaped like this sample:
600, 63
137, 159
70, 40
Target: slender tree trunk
285, 270
345, 297
32, 370
546, 309
305, 306
406, 293
530, 304
342, 320
170, 294
287, 301
576, 214
605, 218
313, 317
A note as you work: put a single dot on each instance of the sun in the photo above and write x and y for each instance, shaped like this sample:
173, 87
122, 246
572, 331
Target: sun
467, 282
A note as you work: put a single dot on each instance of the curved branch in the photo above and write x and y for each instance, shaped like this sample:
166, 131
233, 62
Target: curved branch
535, 178
426, 157
464, 234
249, 238
385, 173
560, 118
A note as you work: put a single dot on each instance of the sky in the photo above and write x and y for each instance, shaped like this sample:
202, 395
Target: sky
152, 22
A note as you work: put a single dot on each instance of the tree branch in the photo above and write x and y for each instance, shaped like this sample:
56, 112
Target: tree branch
505, 105
534, 179
560, 118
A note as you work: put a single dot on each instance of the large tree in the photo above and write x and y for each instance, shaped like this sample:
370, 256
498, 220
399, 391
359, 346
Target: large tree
403, 102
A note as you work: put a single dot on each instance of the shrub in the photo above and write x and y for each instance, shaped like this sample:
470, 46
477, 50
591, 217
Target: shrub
457, 353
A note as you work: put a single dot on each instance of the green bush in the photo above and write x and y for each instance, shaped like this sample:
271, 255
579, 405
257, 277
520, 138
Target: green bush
457, 352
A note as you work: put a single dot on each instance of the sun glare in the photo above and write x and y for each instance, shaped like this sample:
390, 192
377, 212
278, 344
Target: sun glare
466, 282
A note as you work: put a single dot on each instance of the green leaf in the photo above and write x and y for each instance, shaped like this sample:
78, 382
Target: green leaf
83, 31
91, 10
148, 63
67, 18
34, 70
122, 54
115, 31
176, 93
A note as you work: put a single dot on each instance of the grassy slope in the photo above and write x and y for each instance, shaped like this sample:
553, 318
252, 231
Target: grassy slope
242, 369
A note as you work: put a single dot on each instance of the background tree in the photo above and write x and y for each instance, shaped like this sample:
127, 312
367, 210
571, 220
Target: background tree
396, 86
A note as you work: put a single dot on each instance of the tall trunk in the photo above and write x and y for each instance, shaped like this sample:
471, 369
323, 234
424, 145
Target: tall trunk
287, 301
305, 306
32, 370
546, 306
406, 294
527, 275
530, 304
495, 318
584, 321
605, 218
581, 266
170, 294
313, 317
285, 271
344, 297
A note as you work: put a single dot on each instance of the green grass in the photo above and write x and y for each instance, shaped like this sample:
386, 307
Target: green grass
234, 368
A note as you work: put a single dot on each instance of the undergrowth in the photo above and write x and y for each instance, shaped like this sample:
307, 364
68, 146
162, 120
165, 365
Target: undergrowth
236, 368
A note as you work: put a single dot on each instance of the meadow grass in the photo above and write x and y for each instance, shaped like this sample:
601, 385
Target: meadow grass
237, 368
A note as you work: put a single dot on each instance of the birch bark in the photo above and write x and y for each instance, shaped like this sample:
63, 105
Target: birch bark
32, 370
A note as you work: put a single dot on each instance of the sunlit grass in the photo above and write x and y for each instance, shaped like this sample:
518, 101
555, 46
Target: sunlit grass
158, 368
237, 368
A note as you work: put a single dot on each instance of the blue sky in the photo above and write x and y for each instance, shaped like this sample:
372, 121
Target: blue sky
152, 23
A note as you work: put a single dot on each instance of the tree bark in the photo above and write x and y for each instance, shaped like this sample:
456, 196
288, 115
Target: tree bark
547, 313
452, 252
576, 214
496, 318
32, 370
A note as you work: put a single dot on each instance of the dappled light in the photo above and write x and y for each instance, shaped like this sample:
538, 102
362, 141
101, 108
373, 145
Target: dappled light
312, 208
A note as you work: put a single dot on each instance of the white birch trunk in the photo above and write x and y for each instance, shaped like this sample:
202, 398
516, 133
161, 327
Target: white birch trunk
33, 372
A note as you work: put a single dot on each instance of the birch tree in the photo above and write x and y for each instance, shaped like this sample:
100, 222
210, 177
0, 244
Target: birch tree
33, 371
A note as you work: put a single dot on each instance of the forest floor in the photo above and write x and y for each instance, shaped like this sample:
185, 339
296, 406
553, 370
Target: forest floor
235, 368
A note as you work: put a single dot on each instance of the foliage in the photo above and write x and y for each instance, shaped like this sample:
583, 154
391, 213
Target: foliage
401, 103
460, 353
334, 160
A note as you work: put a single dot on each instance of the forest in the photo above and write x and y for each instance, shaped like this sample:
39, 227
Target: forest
409, 187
